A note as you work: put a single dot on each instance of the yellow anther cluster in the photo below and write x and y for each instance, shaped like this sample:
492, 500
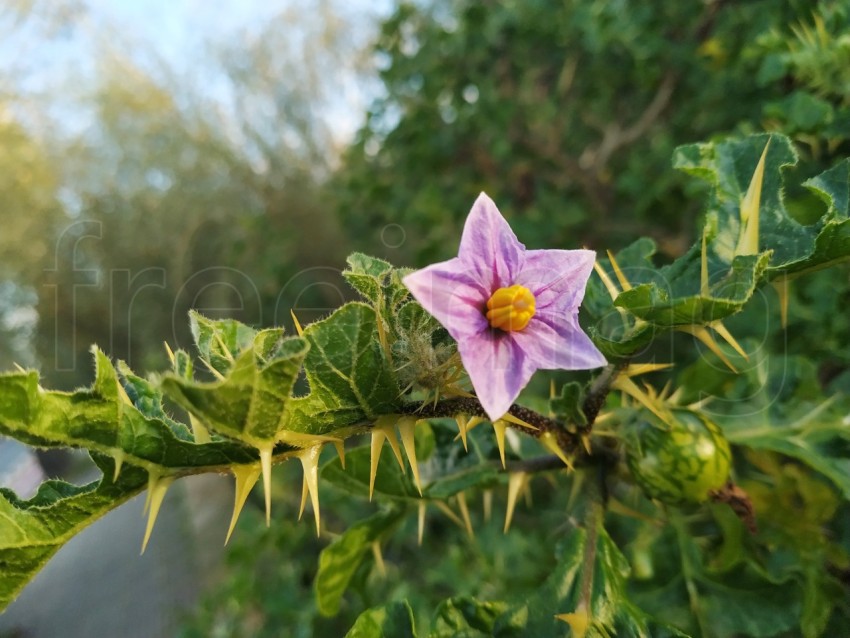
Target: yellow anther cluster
510, 308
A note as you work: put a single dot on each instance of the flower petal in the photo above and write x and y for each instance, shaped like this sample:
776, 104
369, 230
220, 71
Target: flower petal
489, 247
453, 295
498, 368
558, 343
557, 277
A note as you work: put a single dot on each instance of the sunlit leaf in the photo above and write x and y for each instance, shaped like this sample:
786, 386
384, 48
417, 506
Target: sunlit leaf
394, 620
339, 560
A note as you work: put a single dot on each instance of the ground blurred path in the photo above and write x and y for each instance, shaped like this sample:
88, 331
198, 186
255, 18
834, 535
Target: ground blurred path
98, 585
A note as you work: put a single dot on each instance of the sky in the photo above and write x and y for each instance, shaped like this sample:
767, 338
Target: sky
46, 53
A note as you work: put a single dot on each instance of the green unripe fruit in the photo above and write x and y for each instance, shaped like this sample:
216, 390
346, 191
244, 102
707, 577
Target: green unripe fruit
678, 462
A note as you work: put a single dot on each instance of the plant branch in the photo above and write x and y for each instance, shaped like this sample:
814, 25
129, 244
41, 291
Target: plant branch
599, 390
593, 523
570, 436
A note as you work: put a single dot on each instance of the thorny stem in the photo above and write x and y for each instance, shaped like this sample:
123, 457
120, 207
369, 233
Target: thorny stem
688, 568
599, 390
593, 523
569, 436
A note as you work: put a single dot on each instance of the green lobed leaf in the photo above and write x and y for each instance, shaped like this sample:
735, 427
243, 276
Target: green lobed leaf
99, 419
32, 531
820, 439
741, 601
663, 298
219, 341
466, 617
367, 275
729, 166
615, 332
611, 612
339, 560
832, 243
674, 298
393, 620
350, 377
568, 405
250, 403
147, 399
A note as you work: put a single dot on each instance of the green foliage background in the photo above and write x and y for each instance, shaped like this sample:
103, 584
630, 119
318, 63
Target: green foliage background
568, 115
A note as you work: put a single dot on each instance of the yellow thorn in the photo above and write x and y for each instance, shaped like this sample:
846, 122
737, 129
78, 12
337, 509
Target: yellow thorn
462, 421
298, 329
266, 467
386, 424
340, 450
585, 440
699, 405
18, 367
199, 430
637, 369
157, 490
310, 463
488, 505
379, 559
673, 398
499, 428
526, 495
454, 391
624, 283
579, 622
748, 244
720, 329
421, 521
378, 436
510, 418
464, 513
224, 349
393, 441
123, 394
382, 337
153, 479
305, 491
703, 274
445, 509
406, 427
473, 422
119, 462
516, 482
169, 352
551, 443
701, 333
246, 477
609, 285
218, 375
628, 387
781, 287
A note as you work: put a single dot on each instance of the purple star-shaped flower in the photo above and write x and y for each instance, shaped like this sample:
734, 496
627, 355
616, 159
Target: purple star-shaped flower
511, 310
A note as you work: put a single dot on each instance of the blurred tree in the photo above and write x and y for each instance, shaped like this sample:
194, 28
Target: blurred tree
29, 213
194, 188
567, 113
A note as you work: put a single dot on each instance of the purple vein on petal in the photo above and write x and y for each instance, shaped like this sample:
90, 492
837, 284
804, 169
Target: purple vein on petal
489, 246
